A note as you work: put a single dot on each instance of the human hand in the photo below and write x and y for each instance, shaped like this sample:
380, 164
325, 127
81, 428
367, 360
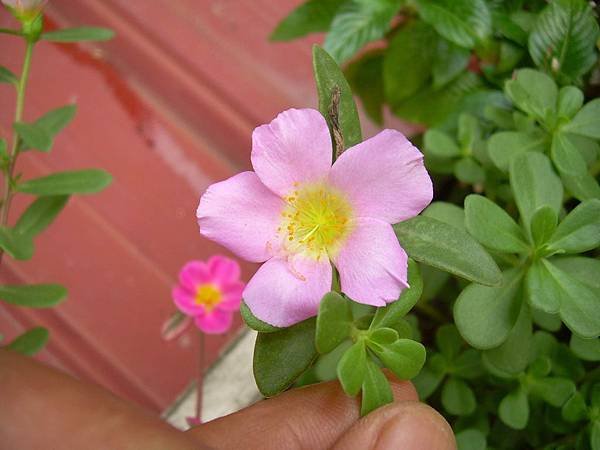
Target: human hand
44, 409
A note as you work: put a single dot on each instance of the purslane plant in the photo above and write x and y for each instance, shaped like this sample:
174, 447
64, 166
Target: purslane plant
52, 191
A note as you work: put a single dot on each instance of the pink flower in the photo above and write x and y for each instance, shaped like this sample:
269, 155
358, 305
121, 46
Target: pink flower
25, 8
299, 214
210, 293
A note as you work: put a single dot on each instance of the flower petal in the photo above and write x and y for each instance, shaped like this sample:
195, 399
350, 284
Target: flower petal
215, 322
232, 296
223, 270
185, 301
384, 178
283, 292
194, 273
241, 214
372, 265
294, 147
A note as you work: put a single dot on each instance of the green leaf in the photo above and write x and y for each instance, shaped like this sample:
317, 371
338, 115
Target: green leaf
383, 336
439, 144
540, 290
586, 349
566, 157
448, 341
534, 185
57, 119
586, 270
17, 245
366, 80
486, 315
469, 171
492, 226
255, 323
471, 439
33, 295
6, 76
79, 34
553, 390
582, 187
514, 409
352, 368
457, 397
333, 322
512, 356
535, 93
446, 212
310, 17
327, 76
410, 47
404, 357
33, 136
543, 224
449, 62
575, 408
580, 230
30, 342
376, 390
563, 39
503, 146
430, 377
357, 23
546, 321
282, 356
463, 22
445, 247
467, 365
87, 181
391, 314
570, 100
587, 121
578, 302
40, 214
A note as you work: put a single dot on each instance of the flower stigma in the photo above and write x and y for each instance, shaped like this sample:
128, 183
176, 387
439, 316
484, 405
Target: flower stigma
208, 295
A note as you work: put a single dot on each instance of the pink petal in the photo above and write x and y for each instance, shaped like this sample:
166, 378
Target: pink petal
185, 301
372, 265
194, 273
241, 214
232, 296
294, 147
215, 322
283, 292
223, 270
384, 177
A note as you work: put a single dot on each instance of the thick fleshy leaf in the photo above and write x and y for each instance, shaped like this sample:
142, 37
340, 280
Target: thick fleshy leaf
404, 357
430, 376
543, 224
282, 356
79, 34
514, 409
566, 157
366, 79
30, 342
463, 22
310, 17
446, 212
554, 390
492, 226
88, 181
587, 121
376, 390
328, 76
575, 408
333, 322
352, 367
450, 61
486, 315
580, 230
439, 144
458, 398
471, 439
586, 270
254, 322
563, 39
357, 23
586, 349
570, 100
582, 187
504, 145
445, 247
535, 93
469, 171
33, 295
40, 214
534, 185
540, 290
467, 365
448, 341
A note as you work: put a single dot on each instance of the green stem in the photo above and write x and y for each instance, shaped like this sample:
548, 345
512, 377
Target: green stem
14, 150
11, 31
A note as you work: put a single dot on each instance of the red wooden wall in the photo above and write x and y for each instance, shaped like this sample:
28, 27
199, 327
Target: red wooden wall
167, 107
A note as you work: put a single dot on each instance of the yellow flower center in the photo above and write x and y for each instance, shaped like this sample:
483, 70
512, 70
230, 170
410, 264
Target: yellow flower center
316, 220
208, 295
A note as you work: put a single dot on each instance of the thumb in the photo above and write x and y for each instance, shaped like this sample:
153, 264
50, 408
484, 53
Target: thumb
407, 425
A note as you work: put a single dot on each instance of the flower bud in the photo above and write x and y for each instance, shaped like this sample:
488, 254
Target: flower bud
25, 10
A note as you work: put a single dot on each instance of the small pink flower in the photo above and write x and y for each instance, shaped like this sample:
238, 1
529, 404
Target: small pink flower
210, 293
25, 8
299, 214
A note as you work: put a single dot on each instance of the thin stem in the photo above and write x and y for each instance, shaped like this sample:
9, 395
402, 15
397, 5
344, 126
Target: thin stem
200, 381
14, 150
11, 31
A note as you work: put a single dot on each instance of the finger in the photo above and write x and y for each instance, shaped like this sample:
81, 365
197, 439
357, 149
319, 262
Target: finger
44, 409
311, 417
406, 425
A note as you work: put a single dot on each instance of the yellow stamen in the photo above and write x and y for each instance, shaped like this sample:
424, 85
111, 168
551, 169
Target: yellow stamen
208, 295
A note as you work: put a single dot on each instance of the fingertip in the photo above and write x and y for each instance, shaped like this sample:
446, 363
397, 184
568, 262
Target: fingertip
408, 425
